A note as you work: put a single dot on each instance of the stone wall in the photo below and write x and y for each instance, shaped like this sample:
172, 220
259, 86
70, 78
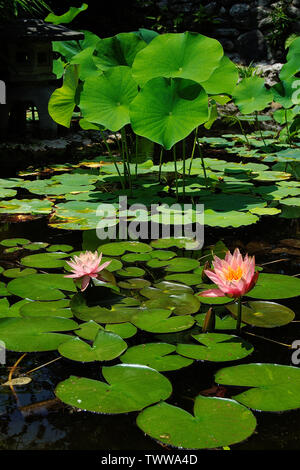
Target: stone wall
244, 27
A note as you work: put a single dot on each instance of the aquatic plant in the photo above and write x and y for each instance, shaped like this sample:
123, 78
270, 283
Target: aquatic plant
87, 266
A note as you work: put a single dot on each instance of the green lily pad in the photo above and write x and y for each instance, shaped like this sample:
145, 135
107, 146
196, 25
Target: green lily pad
63, 248
251, 95
187, 279
125, 330
56, 308
131, 271
225, 323
170, 242
44, 260
275, 286
273, 387
264, 314
208, 428
34, 334
137, 283
26, 206
14, 242
119, 248
4, 292
155, 355
41, 286
106, 346
128, 388
216, 347
159, 321
17, 272
36, 246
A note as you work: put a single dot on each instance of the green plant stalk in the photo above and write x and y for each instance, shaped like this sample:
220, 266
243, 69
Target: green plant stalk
259, 128
239, 315
183, 175
243, 132
287, 128
127, 158
176, 174
193, 150
203, 165
116, 166
160, 163
136, 156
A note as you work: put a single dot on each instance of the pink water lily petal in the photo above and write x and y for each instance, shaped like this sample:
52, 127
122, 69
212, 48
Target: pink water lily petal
212, 293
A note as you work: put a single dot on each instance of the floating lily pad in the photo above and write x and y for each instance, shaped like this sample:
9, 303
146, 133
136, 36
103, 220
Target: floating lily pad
41, 286
128, 388
34, 334
264, 314
177, 242
208, 428
134, 283
14, 242
155, 355
17, 272
44, 260
225, 323
275, 286
56, 308
187, 279
125, 330
216, 347
274, 387
63, 248
159, 321
119, 248
36, 246
4, 292
106, 346
130, 271
26, 206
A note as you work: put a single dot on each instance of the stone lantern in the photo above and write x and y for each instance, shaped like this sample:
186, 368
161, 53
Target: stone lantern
26, 59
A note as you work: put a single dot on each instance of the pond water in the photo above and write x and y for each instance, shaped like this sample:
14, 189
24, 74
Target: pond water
33, 419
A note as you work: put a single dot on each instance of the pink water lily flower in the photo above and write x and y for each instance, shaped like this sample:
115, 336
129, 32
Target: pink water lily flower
234, 275
87, 266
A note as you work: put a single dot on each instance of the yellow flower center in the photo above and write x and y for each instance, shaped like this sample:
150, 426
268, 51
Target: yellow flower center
234, 274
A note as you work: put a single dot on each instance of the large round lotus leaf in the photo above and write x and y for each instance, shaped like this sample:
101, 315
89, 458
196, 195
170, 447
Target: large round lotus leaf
275, 387
187, 279
44, 260
292, 65
14, 241
264, 314
251, 95
17, 272
128, 388
184, 55
223, 79
106, 347
58, 308
66, 17
63, 100
275, 286
119, 248
157, 320
41, 286
26, 206
119, 312
106, 98
131, 271
155, 355
167, 110
225, 323
34, 334
208, 428
117, 50
137, 283
216, 347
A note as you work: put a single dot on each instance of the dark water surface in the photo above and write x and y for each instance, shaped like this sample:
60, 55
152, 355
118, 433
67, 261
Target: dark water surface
54, 426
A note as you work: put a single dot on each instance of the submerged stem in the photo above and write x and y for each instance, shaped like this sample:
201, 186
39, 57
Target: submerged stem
116, 166
176, 174
193, 150
160, 164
